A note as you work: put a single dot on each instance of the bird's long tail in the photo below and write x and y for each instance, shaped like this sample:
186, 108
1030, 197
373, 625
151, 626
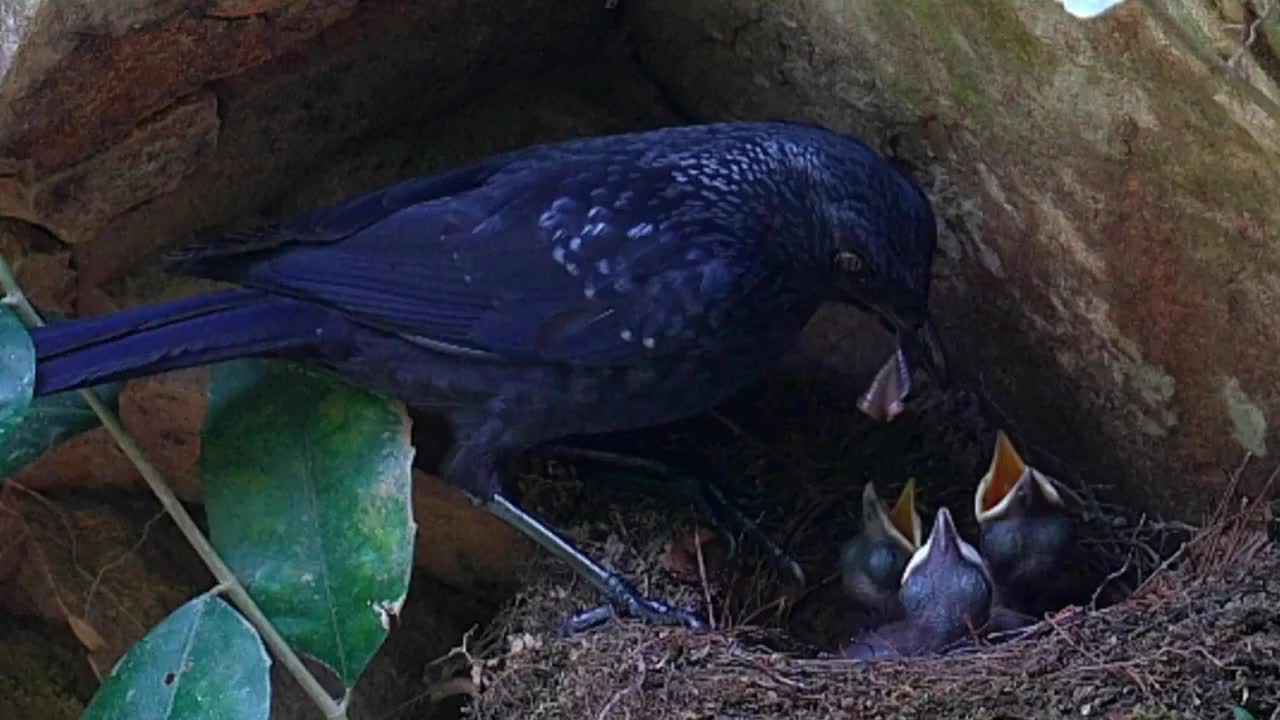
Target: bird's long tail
173, 335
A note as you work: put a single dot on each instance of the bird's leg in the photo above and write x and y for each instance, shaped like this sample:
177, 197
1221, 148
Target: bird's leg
485, 445
722, 513
622, 596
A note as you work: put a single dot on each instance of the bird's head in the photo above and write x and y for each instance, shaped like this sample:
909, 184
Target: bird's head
1028, 537
1012, 488
874, 247
872, 563
947, 586
900, 525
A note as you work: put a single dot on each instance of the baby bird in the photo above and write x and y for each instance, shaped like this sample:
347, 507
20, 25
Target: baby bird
871, 564
947, 594
1027, 537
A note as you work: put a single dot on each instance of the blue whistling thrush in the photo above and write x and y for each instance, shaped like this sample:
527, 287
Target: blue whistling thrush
587, 286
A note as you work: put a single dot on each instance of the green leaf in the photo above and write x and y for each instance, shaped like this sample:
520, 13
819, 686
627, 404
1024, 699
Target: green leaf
17, 371
307, 489
1239, 713
49, 421
203, 661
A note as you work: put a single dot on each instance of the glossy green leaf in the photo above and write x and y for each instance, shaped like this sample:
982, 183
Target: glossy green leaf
203, 661
49, 421
307, 488
1239, 713
17, 371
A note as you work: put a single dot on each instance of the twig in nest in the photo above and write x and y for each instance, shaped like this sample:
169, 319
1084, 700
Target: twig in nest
1163, 567
1224, 542
770, 673
702, 575
1100, 664
725, 618
1120, 571
617, 695
235, 591
1228, 541
775, 604
457, 650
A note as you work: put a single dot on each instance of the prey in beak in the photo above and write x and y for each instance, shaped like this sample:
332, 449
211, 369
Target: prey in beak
918, 345
871, 564
1027, 536
947, 594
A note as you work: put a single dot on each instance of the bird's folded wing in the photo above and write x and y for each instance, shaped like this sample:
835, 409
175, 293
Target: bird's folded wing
564, 261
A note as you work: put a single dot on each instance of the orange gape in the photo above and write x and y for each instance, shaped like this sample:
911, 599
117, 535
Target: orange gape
1006, 467
903, 513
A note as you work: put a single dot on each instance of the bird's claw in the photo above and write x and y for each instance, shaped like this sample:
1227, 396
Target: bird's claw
625, 600
620, 593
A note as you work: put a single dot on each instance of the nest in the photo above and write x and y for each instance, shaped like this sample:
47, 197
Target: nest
1177, 621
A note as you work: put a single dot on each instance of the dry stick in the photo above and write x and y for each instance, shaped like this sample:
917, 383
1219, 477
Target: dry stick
227, 582
702, 574
1250, 36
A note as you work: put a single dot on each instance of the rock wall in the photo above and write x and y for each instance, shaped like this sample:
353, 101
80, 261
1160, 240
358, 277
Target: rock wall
1108, 269
337, 103
1107, 272
129, 124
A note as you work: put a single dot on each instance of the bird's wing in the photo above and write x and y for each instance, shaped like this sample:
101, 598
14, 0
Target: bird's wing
589, 260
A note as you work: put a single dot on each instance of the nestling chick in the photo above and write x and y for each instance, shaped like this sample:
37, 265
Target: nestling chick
871, 564
1027, 536
946, 595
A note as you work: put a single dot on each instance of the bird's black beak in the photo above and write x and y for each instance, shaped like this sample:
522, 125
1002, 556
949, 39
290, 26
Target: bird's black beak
918, 339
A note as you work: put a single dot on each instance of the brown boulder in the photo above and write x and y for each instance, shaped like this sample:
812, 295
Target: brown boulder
1106, 190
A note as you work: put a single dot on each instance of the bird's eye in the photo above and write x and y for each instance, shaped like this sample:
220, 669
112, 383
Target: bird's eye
848, 261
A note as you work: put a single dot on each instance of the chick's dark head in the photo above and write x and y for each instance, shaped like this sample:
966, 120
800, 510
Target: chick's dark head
947, 587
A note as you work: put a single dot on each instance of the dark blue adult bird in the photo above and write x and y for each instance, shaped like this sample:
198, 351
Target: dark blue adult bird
581, 287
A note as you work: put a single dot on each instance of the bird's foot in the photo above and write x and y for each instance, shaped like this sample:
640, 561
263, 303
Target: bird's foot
626, 601
721, 512
623, 598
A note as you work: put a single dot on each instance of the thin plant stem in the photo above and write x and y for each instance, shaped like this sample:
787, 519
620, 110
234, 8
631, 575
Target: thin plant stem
228, 584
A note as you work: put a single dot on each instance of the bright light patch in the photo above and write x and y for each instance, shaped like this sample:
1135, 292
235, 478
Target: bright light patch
1089, 8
